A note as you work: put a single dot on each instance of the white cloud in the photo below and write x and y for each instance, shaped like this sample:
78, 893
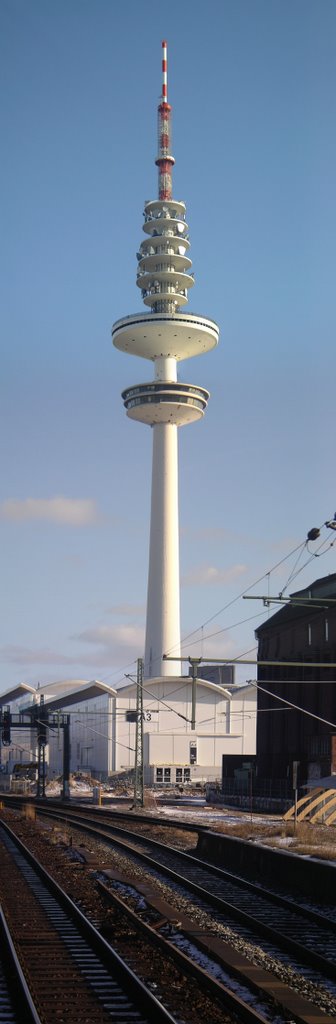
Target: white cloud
111, 645
204, 646
208, 575
123, 637
34, 656
59, 510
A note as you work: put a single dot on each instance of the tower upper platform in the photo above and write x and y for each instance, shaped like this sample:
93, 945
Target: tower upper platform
174, 335
164, 333
164, 273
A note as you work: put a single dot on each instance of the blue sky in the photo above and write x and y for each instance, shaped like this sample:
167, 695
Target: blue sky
252, 84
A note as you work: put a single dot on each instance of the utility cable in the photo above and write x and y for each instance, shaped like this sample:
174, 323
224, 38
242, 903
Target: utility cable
295, 707
226, 629
312, 555
298, 548
233, 601
292, 574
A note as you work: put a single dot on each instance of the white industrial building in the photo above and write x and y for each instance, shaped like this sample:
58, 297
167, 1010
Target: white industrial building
225, 722
103, 738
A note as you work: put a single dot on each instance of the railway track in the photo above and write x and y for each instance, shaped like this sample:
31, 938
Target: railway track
266, 990
307, 934
16, 1004
71, 972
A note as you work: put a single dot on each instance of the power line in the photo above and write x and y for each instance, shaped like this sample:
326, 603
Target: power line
226, 629
296, 707
299, 547
313, 554
245, 591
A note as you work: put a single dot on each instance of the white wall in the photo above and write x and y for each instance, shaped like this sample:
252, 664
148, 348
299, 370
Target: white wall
90, 737
223, 725
104, 742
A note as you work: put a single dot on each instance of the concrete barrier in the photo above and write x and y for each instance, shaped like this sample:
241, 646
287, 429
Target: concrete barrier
310, 875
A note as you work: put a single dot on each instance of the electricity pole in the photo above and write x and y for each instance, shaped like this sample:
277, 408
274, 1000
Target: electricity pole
139, 766
194, 662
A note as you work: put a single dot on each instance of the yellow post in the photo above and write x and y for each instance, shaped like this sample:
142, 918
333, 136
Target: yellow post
30, 812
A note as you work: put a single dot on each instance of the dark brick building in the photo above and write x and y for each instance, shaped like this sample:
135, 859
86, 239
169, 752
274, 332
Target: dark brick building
303, 631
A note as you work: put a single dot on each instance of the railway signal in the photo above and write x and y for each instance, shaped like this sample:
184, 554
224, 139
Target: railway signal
6, 726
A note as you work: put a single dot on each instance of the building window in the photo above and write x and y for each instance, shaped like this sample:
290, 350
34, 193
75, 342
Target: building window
179, 775
309, 635
326, 630
186, 774
319, 746
193, 753
167, 775
159, 774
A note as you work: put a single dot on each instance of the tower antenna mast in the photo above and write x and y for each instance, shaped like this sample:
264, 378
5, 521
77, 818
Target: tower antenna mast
164, 161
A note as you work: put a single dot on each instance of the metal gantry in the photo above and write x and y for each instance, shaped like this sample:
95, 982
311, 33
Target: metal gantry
39, 718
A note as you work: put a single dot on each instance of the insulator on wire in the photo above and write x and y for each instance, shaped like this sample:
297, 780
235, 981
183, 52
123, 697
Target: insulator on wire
314, 533
331, 524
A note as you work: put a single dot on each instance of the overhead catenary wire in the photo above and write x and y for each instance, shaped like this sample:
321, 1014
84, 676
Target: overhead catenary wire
292, 574
313, 554
227, 629
238, 596
298, 548
295, 707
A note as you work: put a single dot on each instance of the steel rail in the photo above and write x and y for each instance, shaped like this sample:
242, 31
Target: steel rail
281, 1001
103, 812
259, 1001
271, 896
283, 940
216, 988
113, 983
16, 1003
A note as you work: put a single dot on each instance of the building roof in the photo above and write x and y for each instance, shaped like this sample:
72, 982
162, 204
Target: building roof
321, 589
149, 684
20, 690
88, 691
239, 688
328, 782
59, 694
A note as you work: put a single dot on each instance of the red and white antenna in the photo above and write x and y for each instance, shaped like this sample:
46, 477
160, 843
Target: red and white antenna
165, 161
164, 72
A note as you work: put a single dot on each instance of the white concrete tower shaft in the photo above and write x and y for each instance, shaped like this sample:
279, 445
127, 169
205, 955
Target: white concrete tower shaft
163, 594
166, 336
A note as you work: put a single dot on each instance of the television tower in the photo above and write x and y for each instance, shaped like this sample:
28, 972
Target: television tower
166, 336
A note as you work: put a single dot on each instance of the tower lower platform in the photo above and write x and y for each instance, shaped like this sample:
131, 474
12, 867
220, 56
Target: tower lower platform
165, 402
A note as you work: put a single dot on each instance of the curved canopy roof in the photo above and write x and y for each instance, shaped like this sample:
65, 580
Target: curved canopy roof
150, 684
59, 694
21, 690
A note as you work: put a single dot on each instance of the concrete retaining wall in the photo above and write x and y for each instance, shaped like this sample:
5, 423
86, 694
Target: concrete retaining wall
311, 876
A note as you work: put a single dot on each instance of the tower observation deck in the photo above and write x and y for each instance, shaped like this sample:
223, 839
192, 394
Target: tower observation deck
166, 335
